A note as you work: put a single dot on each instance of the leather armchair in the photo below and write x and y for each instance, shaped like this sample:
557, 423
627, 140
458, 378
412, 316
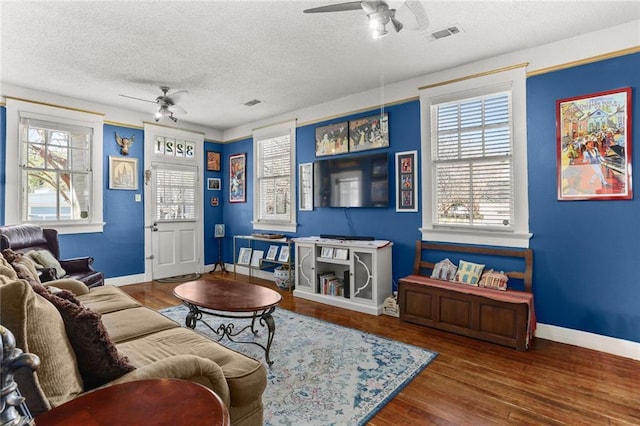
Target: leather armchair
24, 238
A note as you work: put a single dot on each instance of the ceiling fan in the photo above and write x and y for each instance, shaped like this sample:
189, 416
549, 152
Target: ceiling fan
378, 12
167, 102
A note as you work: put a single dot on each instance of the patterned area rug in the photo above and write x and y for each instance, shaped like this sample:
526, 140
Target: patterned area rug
322, 373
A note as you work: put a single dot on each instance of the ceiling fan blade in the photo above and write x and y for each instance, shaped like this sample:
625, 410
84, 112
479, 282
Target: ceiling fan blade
179, 92
175, 97
138, 99
340, 7
396, 24
178, 108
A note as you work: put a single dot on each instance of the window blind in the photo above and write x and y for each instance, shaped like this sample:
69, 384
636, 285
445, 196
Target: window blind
274, 178
472, 161
175, 194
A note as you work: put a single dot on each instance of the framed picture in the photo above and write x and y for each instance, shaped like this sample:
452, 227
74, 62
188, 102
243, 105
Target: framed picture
284, 254
369, 133
244, 256
256, 257
213, 184
218, 230
593, 146
272, 253
215, 201
237, 178
123, 173
406, 181
332, 139
213, 161
305, 186
341, 254
327, 252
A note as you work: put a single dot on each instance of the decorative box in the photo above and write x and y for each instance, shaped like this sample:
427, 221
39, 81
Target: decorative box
390, 307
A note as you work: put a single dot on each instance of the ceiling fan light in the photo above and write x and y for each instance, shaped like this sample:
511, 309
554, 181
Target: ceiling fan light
380, 32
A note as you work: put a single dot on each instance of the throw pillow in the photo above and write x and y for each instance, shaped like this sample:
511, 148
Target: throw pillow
444, 270
46, 259
7, 273
98, 359
38, 328
24, 266
495, 280
469, 273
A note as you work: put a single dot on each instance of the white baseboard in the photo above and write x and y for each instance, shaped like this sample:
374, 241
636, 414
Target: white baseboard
125, 280
611, 345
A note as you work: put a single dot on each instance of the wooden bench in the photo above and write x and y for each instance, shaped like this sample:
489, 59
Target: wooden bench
502, 317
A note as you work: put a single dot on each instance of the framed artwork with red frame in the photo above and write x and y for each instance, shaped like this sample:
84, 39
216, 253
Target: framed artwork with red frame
238, 178
593, 146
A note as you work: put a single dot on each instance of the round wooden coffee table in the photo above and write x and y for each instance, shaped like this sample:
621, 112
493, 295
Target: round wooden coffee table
144, 402
232, 300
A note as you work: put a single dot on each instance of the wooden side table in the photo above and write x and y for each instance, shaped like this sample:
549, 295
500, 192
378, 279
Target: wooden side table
144, 402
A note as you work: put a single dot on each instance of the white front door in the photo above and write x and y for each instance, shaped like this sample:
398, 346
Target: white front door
174, 235
173, 205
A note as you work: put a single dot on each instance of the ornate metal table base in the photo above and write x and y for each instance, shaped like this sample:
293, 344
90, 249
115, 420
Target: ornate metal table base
228, 330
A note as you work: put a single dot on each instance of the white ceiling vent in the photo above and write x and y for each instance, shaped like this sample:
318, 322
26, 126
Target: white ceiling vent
446, 32
252, 102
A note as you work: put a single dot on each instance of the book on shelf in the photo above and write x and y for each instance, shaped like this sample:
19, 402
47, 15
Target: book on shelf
330, 284
334, 287
346, 292
323, 277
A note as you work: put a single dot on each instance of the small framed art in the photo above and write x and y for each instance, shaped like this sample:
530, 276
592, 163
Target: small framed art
305, 187
123, 173
244, 256
237, 178
213, 184
272, 253
256, 257
327, 252
332, 139
369, 133
284, 254
341, 254
213, 161
406, 181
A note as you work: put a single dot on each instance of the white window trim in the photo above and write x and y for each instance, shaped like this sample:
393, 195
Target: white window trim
12, 165
519, 236
281, 129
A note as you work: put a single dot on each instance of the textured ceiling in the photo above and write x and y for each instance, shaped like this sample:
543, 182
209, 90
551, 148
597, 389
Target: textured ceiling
225, 53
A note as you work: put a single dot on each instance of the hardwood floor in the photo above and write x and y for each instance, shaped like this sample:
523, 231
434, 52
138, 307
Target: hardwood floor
475, 383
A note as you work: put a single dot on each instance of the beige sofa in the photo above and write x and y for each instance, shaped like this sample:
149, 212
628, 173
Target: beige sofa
154, 347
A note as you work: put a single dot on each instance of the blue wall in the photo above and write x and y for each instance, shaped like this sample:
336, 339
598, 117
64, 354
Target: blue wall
587, 261
381, 223
585, 256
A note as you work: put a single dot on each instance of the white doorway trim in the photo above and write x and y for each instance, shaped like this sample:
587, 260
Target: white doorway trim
151, 132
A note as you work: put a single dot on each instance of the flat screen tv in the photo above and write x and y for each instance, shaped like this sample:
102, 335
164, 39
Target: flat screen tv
352, 181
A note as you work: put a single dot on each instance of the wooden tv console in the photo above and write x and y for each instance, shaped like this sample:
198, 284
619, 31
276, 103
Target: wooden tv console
503, 317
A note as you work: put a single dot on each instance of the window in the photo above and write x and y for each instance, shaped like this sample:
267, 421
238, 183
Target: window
56, 171
472, 149
54, 168
274, 178
471, 161
176, 193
